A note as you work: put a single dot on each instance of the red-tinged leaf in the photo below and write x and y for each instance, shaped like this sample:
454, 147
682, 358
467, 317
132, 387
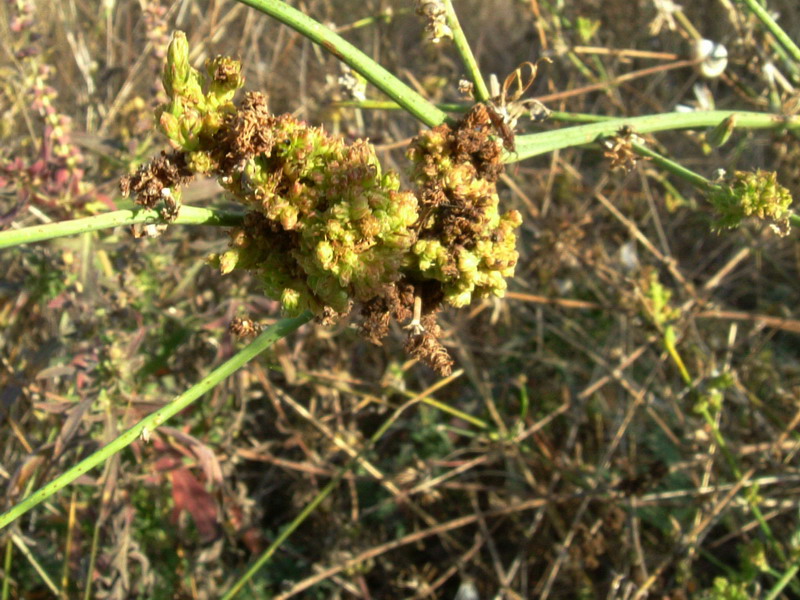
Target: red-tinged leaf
167, 462
82, 381
190, 495
253, 540
58, 302
105, 199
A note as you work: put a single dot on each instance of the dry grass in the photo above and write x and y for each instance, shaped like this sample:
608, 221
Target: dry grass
588, 473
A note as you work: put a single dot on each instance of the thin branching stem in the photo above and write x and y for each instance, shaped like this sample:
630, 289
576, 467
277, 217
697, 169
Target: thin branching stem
598, 126
5, 594
750, 498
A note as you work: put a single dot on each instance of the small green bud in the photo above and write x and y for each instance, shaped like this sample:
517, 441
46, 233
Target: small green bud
468, 262
670, 337
755, 554
226, 78
179, 78
176, 71
720, 134
458, 299
200, 162
324, 253
170, 126
228, 261
290, 301
191, 125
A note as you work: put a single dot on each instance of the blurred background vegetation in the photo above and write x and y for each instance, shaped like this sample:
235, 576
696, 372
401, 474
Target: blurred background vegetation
590, 467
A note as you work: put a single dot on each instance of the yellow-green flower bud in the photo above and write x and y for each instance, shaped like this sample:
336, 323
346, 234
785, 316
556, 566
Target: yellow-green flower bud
290, 301
201, 162
324, 254
467, 262
228, 261
179, 78
226, 78
170, 126
176, 71
457, 298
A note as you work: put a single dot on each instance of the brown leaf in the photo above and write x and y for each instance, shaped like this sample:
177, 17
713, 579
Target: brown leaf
71, 425
204, 454
190, 495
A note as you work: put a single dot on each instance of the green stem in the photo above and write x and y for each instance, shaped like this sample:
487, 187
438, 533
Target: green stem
5, 594
464, 50
37, 566
671, 166
460, 414
288, 531
385, 17
773, 27
390, 85
279, 330
787, 578
568, 117
390, 105
601, 126
87, 590
672, 350
610, 125
737, 473
462, 107
548, 141
189, 215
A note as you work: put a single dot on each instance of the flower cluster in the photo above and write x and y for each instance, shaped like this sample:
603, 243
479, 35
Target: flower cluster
199, 104
327, 227
752, 194
464, 242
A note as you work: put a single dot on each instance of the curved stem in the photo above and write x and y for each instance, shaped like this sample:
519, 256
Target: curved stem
390, 85
189, 215
777, 32
610, 125
464, 50
785, 580
548, 141
671, 166
279, 330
